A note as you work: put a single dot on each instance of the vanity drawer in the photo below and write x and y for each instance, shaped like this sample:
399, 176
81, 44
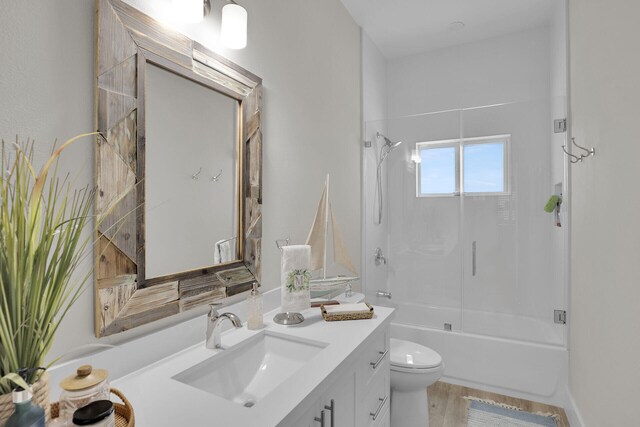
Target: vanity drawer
374, 407
375, 359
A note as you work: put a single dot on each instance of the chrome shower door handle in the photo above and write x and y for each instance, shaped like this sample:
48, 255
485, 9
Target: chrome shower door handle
321, 419
332, 408
473, 258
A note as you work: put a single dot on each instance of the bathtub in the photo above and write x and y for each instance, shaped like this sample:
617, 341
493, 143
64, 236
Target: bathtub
535, 369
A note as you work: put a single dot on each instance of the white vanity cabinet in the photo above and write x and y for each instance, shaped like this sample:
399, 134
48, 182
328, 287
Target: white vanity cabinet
296, 373
356, 395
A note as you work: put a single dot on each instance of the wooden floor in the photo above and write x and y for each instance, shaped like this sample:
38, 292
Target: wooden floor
448, 408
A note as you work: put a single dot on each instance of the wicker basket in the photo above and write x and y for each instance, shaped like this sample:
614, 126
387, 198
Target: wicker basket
124, 411
40, 398
355, 315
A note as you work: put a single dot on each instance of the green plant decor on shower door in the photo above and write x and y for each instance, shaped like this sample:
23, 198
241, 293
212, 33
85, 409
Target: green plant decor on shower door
42, 244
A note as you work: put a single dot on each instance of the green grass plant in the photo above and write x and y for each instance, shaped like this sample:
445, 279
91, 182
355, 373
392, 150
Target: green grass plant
42, 244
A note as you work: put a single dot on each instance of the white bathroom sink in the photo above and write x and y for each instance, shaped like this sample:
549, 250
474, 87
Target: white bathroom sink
250, 370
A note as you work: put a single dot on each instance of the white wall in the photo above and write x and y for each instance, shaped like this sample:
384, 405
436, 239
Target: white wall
374, 81
374, 111
308, 54
605, 272
498, 70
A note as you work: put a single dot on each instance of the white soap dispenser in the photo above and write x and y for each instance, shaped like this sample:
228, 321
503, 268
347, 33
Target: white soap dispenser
254, 322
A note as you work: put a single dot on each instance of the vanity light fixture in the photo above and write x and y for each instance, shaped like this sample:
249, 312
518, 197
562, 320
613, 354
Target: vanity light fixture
233, 28
233, 24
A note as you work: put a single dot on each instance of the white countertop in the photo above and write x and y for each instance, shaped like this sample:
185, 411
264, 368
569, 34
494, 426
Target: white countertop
159, 400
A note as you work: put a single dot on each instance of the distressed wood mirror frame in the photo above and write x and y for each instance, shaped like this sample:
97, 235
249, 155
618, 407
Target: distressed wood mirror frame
127, 40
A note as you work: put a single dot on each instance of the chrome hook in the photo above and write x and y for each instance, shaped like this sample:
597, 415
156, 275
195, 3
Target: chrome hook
590, 151
215, 178
196, 175
577, 159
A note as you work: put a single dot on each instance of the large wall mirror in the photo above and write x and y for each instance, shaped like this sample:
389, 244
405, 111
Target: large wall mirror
191, 175
178, 172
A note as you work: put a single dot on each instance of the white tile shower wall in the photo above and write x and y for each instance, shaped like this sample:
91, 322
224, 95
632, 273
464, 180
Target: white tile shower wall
515, 237
374, 109
311, 123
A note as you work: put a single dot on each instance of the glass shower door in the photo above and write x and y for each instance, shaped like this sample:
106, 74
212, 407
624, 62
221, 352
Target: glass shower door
424, 243
510, 243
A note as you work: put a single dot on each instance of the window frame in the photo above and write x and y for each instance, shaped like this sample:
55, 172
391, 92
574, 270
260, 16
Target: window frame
459, 144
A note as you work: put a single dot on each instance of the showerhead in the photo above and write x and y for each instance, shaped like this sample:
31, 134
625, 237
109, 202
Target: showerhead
388, 142
385, 150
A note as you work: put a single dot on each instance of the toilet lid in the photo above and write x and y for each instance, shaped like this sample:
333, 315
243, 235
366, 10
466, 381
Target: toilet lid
407, 354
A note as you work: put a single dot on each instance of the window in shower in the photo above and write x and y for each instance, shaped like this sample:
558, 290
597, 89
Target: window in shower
468, 166
439, 170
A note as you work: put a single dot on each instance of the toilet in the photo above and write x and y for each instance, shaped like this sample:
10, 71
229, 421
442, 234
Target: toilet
414, 367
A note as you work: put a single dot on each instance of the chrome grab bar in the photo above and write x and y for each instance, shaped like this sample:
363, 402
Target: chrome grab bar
375, 364
375, 415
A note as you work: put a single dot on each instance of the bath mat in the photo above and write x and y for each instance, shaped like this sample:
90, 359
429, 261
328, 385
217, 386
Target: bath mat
486, 413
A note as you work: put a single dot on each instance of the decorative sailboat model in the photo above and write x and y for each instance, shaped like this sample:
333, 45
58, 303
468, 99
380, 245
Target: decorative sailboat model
318, 241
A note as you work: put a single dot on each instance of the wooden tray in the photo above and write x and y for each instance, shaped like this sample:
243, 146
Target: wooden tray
124, 411
354, 315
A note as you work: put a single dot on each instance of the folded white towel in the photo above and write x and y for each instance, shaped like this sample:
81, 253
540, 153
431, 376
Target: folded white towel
224, 251
346, 308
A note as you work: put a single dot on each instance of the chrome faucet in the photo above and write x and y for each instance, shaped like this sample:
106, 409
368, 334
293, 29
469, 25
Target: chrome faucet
383, 294
214, 321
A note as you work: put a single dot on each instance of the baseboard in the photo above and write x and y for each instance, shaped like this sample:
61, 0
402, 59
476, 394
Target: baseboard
573, 414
